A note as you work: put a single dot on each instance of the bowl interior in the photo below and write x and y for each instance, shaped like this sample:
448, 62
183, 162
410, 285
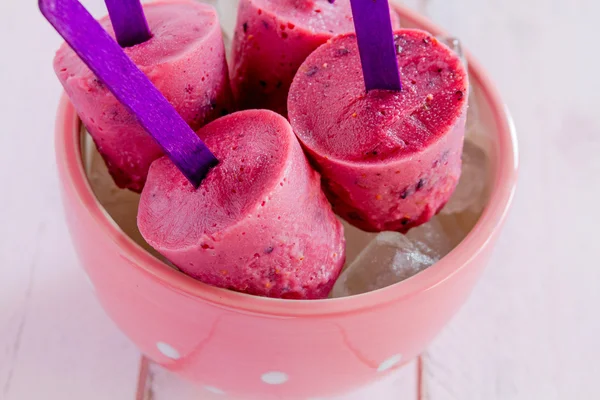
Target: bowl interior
488, 131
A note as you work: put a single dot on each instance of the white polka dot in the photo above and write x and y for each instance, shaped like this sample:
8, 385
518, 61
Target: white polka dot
168, 350
274, 378
390, 363
214, 390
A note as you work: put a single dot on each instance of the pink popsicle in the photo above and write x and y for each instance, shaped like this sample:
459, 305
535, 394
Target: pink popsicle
389, 160
185, 59
273, 38
259, 222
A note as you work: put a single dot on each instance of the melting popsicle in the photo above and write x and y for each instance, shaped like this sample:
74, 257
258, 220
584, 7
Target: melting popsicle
389, 159
259, 223
118, 74
273, 38
184, 59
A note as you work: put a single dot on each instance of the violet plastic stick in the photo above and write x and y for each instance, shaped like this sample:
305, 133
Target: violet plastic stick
376, 44
130, 86
128, 21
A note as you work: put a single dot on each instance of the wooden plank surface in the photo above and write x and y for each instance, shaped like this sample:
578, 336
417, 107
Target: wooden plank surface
162, 385
530, 329
55, 341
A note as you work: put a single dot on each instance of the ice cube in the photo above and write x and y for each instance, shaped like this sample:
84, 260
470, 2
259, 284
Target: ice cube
437, 237
474, 131
227, 15
455, 45
356, 241
470, 192
390, 258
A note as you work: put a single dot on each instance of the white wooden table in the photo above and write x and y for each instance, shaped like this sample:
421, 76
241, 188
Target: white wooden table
531, 328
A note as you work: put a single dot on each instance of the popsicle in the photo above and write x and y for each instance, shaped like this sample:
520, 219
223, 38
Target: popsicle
390, 159
185, 59
259, 222
272, 39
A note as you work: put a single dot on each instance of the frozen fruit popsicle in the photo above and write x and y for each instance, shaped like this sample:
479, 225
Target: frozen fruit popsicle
389, 159
259, 222
185, 59
273, 38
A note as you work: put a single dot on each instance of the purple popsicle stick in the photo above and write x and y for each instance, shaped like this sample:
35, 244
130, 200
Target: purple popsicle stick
130, 86
128, 21
376, 44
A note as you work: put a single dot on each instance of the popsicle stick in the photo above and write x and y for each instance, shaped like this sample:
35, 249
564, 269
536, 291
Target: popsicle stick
131, 87
376, 44
128, 21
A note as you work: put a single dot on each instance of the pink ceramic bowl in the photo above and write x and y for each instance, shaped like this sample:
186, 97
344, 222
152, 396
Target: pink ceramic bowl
269, 349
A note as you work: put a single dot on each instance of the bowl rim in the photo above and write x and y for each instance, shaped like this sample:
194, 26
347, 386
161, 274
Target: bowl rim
68, 153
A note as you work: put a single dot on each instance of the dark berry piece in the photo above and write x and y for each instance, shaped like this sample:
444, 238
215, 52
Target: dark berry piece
312, 71
406, 193
98, 83
341, 52
353, 215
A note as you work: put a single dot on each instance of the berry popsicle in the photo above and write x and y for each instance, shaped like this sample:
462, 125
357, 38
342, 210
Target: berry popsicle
272, 39
259, 222
185, 59
389, 159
